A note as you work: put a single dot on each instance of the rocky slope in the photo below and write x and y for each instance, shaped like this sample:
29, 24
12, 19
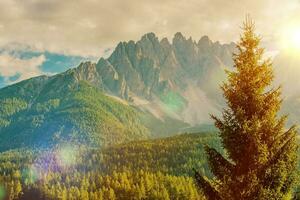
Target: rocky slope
178, 79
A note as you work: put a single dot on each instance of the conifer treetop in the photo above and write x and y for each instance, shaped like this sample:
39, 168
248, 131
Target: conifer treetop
261, 154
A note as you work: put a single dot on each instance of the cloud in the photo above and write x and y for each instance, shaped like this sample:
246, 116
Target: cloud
19, 62
15, 69
89, 27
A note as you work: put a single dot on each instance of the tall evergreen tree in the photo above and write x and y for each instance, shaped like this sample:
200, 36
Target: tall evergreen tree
261, 155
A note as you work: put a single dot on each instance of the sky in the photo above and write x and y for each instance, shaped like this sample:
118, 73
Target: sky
49, 36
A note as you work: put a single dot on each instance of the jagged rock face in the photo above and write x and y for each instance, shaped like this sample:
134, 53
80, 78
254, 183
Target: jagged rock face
151, 69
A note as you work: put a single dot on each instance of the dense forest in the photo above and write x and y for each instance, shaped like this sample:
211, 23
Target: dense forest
150, 169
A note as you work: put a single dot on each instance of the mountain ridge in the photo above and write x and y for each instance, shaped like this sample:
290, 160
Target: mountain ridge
77, 113
157, 88
150, 69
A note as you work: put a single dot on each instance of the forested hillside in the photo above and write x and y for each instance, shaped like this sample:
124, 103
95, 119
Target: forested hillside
44, 111
151, 169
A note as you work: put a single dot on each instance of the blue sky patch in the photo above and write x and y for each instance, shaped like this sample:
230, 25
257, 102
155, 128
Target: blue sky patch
55, 63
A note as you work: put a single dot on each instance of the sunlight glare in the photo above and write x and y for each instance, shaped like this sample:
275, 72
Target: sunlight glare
66, 156
290, 38
30, 175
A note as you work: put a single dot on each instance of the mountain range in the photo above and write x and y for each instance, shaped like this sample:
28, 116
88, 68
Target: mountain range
148, 88
178, 79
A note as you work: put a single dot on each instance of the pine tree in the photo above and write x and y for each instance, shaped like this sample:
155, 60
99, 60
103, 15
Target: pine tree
261, 154
111, 194
18, 188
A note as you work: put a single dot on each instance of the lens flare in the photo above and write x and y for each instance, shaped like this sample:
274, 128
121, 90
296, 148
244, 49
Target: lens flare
66, 156
173, 102
30, 175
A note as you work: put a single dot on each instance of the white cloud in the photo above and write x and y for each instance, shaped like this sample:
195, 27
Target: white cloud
23, 68
88, 27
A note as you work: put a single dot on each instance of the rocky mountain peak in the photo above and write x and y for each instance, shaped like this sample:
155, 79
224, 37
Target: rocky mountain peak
205, 42
165, 42
149, 36
178, 37
153, 70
